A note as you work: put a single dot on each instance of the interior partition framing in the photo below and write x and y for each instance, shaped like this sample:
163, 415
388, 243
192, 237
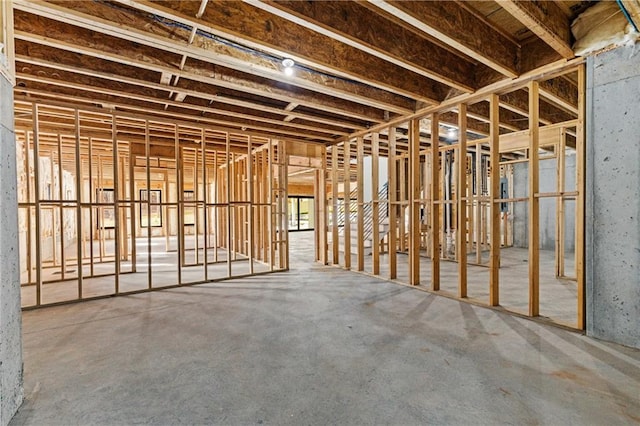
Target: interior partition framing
483, 192
115, 203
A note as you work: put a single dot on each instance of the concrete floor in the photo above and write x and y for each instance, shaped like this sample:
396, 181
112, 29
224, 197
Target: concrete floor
316, 345
558, 297
164, 272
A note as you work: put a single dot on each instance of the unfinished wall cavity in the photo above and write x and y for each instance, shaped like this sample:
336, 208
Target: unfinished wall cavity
112, 204
491, 212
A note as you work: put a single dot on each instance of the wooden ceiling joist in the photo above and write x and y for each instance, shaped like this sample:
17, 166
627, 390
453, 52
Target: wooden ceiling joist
455, 26
360, 66
545, 19
352, 24
256, 29
77, 41
250, 110
139, 30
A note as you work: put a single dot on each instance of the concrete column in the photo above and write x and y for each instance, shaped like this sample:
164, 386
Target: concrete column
613, 196
10, 315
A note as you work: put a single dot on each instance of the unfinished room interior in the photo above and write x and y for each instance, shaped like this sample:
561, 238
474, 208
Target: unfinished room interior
319, 212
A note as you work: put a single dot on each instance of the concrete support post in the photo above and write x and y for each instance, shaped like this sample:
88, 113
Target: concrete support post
612, 213
10, 315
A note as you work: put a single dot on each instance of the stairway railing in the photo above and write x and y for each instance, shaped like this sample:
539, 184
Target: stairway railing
383, 212
367, 212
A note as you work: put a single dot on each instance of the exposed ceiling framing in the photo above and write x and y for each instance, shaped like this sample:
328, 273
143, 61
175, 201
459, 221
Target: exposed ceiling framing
358, 64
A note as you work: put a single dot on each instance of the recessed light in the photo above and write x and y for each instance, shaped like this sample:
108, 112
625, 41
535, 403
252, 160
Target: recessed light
288, 62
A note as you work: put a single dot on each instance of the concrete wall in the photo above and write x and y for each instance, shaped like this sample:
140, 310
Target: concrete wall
548, 206
11, 392
613, 196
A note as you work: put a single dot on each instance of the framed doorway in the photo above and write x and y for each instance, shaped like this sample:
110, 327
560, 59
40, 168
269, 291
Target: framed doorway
301, 213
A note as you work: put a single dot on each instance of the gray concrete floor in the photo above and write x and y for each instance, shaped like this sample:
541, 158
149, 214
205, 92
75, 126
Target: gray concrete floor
558, 297
316, 345
164, 272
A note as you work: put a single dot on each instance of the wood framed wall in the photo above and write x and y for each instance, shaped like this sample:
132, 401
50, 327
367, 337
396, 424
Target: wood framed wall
470, 206
7, 53
112, 203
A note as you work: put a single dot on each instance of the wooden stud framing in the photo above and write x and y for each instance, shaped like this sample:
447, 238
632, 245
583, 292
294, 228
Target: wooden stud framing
375, 203
580, 201
321, 212
79, 260
205, 227
534, 210
494, 206
250, 195
227, 170
479, 217
147, 149
402, 181
435, 203
560, 205
393, 205
360, 190
180, 198
335, 245
347, 204
461, 193
116, 203
414, 203
100, 164
36, 171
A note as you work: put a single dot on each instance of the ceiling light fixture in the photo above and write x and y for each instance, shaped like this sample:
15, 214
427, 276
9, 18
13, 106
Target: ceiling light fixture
288, 64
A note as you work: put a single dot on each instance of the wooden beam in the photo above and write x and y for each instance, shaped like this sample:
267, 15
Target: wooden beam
347, 204
238, 22
444, 20
34, 54
503, 86
96, 87
124, 104
20, 101
360, 190
334, 211
580, 202
375, 204
461, 194
350, 23
110, 45
534, 210
518, 102
393, 207
435, 204
414, 202
561, 92
545, 19
494, 207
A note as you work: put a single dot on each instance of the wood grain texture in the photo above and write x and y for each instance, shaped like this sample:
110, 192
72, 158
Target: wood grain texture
357, 26
460, 29
545, 19
275, 35
534, 202
146, 31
